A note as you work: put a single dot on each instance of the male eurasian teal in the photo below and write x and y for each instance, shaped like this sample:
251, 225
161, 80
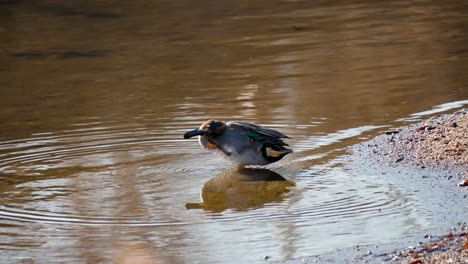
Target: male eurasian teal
240, 142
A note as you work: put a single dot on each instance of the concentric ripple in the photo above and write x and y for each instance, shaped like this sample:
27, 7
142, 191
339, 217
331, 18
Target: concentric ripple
87, 147
63, 219
136, 178
61, 174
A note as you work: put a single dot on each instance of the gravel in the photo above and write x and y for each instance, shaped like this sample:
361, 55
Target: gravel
440, 143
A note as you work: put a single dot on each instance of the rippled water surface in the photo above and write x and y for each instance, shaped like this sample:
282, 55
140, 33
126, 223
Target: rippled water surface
96, 96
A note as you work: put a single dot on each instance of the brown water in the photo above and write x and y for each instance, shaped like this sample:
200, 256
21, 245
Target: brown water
96, 96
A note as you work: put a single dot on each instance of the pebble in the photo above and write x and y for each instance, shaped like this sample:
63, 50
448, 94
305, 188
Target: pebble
463, 183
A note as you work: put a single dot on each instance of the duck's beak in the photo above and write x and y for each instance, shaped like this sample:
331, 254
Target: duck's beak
196, 132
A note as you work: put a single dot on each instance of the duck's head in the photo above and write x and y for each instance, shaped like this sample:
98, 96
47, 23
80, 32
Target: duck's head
209, 129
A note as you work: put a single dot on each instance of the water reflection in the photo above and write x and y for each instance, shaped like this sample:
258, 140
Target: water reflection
242, 189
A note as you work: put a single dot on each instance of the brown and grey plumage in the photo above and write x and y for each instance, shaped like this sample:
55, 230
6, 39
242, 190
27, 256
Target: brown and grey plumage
241, 142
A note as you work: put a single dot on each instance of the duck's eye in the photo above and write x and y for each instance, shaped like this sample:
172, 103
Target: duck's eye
216, 127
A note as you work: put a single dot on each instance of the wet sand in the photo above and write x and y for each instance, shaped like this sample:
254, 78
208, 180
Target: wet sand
430, 161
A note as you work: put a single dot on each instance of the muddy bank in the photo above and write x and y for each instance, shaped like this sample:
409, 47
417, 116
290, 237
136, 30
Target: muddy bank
439, 143
427, 161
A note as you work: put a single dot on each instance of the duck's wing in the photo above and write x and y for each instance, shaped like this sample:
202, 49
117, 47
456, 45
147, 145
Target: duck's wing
256, 132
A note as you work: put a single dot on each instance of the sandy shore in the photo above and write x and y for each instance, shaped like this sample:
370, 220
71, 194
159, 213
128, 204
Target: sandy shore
429, 159
441, 144
438, 143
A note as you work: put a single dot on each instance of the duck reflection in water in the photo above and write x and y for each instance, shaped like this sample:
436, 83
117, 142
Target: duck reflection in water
242, 189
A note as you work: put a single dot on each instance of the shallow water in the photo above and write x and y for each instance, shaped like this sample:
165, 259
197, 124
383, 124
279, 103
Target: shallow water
96, 98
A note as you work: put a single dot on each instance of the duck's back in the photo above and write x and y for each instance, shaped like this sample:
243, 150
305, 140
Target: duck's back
245, 143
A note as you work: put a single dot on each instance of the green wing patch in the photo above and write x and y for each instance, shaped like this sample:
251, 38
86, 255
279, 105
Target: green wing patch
251, 134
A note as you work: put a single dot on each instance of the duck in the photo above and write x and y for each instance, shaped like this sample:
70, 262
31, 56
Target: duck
240, 142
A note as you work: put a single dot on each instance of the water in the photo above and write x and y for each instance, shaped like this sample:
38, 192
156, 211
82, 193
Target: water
97, 95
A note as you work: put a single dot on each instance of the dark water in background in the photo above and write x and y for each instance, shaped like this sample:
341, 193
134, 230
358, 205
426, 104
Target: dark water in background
97, 94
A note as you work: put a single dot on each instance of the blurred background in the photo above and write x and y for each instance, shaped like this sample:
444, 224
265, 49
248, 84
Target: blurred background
96, 96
